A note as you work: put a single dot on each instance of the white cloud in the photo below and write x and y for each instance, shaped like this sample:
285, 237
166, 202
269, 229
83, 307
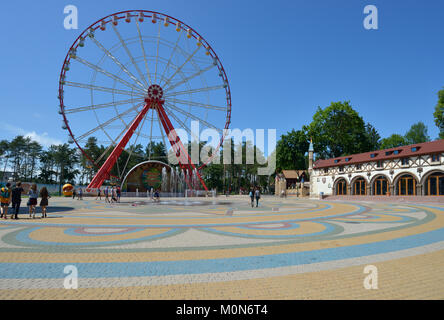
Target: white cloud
43, 138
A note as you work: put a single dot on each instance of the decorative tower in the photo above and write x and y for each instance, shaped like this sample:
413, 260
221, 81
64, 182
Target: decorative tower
310, 157
310, 166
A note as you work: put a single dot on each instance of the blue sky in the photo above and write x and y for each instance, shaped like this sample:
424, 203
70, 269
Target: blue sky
282, 58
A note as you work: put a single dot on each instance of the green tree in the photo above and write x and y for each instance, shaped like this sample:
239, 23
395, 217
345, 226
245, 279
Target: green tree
96, 153
395, 140
4, 155
17, 149
339, 130
373, 138
34, 152
65, 161
156, 151
417, 134
47, 164
439, 114
213, 176
291, 149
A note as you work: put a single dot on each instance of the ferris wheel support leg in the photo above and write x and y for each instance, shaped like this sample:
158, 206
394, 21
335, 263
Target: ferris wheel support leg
105, 170
175, 144
179, 147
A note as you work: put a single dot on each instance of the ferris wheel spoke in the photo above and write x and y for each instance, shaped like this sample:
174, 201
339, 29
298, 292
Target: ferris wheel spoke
113, 142
192, 116
102, 105
161, 130
151, 132
108, 74
157, 53
117, 62
133, 145
143, 51
197, 104
104, 89
171, 87
180, 68
104, 153
108, 122
129, 55
171, 56
180, 122
177, 93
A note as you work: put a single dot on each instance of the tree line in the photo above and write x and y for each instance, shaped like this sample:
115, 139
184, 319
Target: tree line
336, 130
59, 164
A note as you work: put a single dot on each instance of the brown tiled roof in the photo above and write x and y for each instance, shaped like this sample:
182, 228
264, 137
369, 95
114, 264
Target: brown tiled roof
404, 151
292, 174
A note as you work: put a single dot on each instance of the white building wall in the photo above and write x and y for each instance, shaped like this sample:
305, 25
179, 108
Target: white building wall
419, 167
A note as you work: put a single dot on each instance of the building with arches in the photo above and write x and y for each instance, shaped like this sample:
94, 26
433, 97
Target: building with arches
413, 170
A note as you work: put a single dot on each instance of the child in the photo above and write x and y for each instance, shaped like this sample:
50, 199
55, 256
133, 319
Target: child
5, 199
44, 194
156, 196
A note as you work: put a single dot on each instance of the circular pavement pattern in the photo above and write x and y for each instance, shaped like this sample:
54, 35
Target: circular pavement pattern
141, 250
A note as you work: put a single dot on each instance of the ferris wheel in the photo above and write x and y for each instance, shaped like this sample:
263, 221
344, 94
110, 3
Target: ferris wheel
132, 79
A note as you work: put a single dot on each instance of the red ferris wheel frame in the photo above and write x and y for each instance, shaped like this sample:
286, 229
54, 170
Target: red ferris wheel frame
157, 104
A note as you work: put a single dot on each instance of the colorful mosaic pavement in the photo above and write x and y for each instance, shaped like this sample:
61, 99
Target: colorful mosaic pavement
285, 249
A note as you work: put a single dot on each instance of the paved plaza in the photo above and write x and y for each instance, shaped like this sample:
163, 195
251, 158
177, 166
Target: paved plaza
202, 248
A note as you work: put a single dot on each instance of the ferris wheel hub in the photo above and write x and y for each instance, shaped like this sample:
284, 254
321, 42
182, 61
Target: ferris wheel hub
155, 92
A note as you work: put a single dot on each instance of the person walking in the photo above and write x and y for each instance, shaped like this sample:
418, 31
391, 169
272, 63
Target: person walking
156, 196
74, 193
118, 192
32, 202
80, 194
106, 195
258, 196
99, 194
5, 199
252, 197
113, 195
17, 199
44, 194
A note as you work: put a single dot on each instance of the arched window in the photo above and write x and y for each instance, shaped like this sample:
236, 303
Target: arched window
359, 187
341, 187
434, 185
406, 185
380, 186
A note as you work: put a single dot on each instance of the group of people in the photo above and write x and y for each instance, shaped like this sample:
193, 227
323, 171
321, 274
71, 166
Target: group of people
112, 195
78, 193
255, 193
10, 195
